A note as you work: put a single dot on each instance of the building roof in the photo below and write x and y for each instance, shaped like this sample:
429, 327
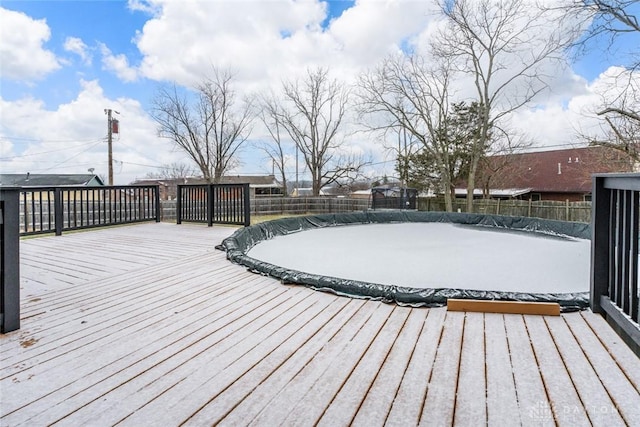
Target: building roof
500, 193
255, 181
557, 171
49, 180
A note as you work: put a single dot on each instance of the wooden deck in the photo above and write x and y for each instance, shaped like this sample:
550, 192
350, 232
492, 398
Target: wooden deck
149, 325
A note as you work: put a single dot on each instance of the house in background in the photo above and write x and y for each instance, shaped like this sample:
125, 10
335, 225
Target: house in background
86, 184
259, 186
266, 185
49, 180
546, 175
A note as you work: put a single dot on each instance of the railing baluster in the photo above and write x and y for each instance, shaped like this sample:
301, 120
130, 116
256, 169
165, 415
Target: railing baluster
633, 257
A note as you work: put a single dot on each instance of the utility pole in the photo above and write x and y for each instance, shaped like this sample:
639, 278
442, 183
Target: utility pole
108, 112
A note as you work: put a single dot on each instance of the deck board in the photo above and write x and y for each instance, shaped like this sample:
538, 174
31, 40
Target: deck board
565, 405
471, 402
150, 325
408, 404
533, 402
443, 384
501, 391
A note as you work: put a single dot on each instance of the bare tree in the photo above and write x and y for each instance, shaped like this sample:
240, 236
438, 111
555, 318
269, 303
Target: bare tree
600, 18
270, 114
407, 146
173, 171
406, 93
504, 47
621, 118
210, 126
313, 113
621, 112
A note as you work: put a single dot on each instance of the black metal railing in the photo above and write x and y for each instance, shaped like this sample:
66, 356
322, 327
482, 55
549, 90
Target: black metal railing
58, 209
214, 204
614, 251
9, 261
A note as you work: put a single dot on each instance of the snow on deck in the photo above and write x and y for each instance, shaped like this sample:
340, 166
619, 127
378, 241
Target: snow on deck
149, 325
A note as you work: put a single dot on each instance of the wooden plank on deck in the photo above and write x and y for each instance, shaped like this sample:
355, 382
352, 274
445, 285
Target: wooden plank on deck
565, 405
167, 331
443, 384
471, 399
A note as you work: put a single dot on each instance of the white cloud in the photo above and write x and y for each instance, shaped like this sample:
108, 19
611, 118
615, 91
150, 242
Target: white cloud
561, 123
77, 46
118, 64
72, 137
266, 41
22, 55
143, 6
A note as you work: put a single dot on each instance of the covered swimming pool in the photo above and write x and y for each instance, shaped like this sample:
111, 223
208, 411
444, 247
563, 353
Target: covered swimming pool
423, 258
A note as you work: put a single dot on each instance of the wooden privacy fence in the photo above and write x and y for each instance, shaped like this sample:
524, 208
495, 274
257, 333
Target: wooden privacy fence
557, 210
307, 205
614, 251
58, 209
562, 211
214, 204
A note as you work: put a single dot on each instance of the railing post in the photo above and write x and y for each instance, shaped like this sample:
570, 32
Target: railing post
58, 208
600, 229
156, 189
10, 253
179, 205
210, 204
246, 192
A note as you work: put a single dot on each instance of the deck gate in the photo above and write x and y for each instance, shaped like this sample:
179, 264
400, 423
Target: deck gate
214, 204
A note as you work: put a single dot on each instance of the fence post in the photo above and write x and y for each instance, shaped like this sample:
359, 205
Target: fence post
247, 204
10, 245
600, 229
179, 204
58, 209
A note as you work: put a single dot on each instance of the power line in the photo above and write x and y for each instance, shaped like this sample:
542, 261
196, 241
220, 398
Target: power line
46, 141
50, 151
140, 164
72, 157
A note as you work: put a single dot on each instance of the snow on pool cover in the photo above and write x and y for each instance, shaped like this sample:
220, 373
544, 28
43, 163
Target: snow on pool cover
424, 263
420, 255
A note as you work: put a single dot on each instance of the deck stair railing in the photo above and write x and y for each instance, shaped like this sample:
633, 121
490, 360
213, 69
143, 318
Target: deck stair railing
58, 209
214, 204
615, 250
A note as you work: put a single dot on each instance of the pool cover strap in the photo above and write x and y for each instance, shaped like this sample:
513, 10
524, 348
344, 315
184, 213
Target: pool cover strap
244, 239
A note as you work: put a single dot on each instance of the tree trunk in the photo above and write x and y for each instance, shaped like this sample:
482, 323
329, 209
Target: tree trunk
448, 199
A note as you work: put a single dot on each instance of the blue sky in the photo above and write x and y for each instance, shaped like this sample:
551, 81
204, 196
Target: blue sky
110, 22
64, 62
